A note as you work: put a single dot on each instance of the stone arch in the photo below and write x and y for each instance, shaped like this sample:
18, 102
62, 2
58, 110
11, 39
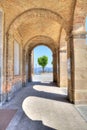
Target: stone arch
38, 12
36, 41
79, 16
40, 40
18, 21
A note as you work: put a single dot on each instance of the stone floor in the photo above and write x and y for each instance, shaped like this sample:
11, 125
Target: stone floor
43, 77
47, 109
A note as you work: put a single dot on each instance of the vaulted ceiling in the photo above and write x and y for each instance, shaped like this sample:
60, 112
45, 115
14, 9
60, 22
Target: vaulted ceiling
13, 8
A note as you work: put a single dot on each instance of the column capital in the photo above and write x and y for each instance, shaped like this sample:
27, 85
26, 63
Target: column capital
68, 37
55, 51
30, 54
10, 34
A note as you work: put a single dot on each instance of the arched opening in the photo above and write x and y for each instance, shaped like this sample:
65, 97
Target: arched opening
30, 34
37, 72
48, 43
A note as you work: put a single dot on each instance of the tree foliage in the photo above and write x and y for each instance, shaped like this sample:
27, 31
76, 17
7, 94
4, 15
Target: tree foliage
43, 61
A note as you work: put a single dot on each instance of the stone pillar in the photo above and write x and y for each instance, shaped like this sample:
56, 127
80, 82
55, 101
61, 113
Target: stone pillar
1, 56
23, 67
63, 67
55, 66
80, 50
29, 68
32, 62
58, 74
10, 64
70, 63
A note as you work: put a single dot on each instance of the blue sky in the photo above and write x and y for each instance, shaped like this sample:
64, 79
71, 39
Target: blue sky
40, 51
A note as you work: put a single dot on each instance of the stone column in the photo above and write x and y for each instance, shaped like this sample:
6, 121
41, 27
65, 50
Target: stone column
70, 63
29, 68
55, 66
80, 50
32, 62
1, 56
23, 66
63, 67
10, 64
58, 74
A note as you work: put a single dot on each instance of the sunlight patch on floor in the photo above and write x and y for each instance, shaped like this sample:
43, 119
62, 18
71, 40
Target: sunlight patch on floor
44, 110
54, 90
54, 114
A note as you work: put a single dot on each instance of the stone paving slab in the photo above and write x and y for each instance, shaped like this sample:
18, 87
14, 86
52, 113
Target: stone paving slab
16, 120
6, 116
82, 110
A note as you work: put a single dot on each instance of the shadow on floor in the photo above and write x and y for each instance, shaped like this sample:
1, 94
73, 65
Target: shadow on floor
62, 97
43, 83
36, 125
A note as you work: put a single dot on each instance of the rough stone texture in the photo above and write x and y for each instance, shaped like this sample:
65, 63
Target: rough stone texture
80, 15
16, 87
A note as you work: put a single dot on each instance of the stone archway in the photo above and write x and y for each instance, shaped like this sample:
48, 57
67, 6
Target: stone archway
14, 31
42, 40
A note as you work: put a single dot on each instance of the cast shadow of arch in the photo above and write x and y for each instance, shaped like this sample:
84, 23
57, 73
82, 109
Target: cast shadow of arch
61, 97
44, 110
45, 96
36, 125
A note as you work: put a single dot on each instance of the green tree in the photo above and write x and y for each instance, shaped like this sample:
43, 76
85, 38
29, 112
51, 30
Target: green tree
43, 61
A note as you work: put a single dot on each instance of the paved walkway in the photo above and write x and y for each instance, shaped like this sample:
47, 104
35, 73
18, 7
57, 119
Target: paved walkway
48, 109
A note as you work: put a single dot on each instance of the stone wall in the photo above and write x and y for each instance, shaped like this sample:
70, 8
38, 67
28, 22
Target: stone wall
16, 85
15, 81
